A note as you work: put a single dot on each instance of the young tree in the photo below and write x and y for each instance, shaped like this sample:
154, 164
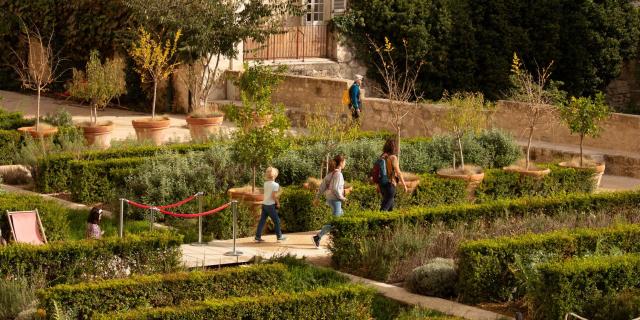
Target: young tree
583, 115
398, 84
538, 93
99, 84
465, 115
154, 59
41, 67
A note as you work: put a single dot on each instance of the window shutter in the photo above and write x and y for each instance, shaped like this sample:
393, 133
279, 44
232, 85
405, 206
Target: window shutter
339, 5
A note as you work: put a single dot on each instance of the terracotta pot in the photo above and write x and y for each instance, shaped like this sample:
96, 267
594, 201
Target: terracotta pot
411, 180
598, 168
252, 199
533, 171
202, 128
98, 135
42, 133
473, 180
149, 129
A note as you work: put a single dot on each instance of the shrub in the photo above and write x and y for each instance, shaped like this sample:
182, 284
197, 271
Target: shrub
18, 295
574, 285
621, 306
352, 230
13, 120
298, 213
92, 180
161, 290
500, 147
53, 215
9, 146
492, 269
73, 261
293, 168
220, 225
346, 302
499, 184
436, 278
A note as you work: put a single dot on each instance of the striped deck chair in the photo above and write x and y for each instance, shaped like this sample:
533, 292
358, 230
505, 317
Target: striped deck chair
26, 227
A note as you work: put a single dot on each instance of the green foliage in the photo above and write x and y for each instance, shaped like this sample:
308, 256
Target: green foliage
355, 228
492, 269
436, 278
345, 302
220, 225
298, 213
258, 83
54, 216
93, 180
498, 184
13, 120
161, 290
17, 295
293, 169
574, 285
469, 44
9, 146
76, 261
100, 84
620, 306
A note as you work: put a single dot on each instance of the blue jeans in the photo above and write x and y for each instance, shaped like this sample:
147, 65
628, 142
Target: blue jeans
388, 194
336, 209
269, 210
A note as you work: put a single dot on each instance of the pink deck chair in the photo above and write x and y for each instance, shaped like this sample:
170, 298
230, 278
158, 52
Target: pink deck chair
26, 227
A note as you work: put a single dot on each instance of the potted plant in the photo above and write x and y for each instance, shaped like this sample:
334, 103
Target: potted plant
583, 116
154, 60
257, 83
204, 122
465, 115
37, 71
537, 95
98, 84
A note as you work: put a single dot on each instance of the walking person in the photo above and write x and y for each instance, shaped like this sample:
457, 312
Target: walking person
270, 204
387, 185
332, 187
355, 103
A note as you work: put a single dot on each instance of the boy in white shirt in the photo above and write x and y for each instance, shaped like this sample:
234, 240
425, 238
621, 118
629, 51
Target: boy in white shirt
270, 204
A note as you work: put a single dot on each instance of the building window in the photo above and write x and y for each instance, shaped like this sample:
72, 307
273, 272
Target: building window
339, 5
315, 12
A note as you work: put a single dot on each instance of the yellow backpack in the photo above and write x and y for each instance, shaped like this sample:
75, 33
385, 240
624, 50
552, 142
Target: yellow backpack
346, 101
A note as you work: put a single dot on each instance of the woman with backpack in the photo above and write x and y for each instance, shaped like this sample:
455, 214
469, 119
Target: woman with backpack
388, 174
332, 187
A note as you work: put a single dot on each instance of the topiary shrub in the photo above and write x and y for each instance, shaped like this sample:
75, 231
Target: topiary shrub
436, 278
298, 213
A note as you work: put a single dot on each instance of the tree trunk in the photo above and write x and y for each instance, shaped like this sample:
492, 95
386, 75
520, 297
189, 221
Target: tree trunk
398, 142
38, 111
529, 147
253, 186
581, 154
461, 154
153, 106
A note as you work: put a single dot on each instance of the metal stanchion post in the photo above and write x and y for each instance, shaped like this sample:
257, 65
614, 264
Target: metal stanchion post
200, 206
234, 209
121, 227
151, 217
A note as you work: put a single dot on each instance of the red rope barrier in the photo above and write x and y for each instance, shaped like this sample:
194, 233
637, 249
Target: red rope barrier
168, 206
193, 215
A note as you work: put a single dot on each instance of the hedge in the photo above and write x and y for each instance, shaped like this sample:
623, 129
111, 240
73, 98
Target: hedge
298, 213
9, 145
54, 174
74, 261
351, 229
13, 120
344, 302
488, 268
162, 289
575, 285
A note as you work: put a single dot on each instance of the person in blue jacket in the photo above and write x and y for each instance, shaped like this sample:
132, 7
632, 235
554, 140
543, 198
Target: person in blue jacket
355, 104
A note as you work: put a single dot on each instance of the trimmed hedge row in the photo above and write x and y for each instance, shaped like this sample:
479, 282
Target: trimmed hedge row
96, 180
350, 229
74, 261
13, 120
344, 302
54, 173
162, 290
488, 268
577, 285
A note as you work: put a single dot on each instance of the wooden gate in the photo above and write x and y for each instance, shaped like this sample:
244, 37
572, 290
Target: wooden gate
293, 43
